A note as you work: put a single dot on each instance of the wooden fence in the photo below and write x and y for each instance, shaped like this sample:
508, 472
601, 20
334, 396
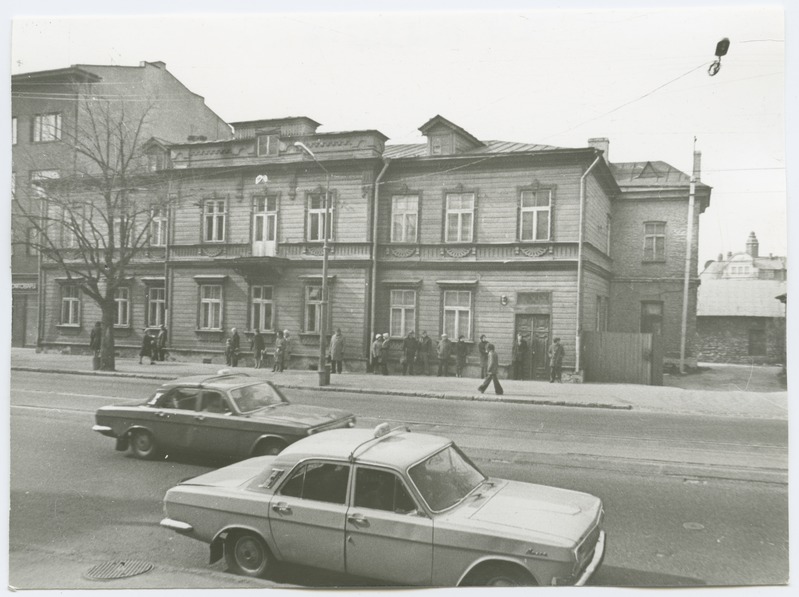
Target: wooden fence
617, 357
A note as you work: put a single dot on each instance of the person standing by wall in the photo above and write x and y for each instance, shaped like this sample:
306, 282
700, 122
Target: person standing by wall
493, 369
409, 346
96, 343
384, 354
460, 356
336, 352
423, 349
258, 345
286, 358
235, 347
148, 347
444, 352
377, 354
519, 357
483, 352
555, 361
162, 337
277, 366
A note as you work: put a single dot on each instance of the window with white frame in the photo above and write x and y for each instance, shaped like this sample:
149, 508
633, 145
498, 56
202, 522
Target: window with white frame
403, 312
313, 308
264, 218
458, 313
156, 306
654, 241
46, 127
70, 304
268, 145
214, 215
158, 223
210, 307
535, 211
404, 218
122, 307
262, 308
13, 130
460, 218
316, 217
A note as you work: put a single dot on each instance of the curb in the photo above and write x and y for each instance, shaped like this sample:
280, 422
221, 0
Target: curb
294, 386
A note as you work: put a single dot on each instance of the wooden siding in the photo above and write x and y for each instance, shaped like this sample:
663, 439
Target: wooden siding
623, 358
597, 210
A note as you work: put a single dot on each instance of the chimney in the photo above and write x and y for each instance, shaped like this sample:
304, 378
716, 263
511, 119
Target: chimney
602, 144
729, 255
752, 246
721, 257
697, 166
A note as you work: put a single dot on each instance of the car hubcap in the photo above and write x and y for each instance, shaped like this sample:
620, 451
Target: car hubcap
142, 442
249, 554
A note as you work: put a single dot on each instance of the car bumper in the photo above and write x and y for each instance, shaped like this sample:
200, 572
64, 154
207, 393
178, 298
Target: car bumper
599, 555
104, 429
176, 525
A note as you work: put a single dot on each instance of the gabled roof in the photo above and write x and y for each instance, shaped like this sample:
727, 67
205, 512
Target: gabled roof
649, 174
740, 298
440, 120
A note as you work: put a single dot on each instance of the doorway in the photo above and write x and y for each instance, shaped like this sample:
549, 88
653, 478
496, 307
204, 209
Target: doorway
535, 331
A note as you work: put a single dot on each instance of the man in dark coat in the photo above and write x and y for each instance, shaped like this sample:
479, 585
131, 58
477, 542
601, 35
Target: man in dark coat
258, 345
148, 347
493, 369
444, 352
409, 345
460, 356
337, 352
555, 361
96, 343
280, 349
235, 347
519, 357
161, 342
482, 350
377, 355
424, 347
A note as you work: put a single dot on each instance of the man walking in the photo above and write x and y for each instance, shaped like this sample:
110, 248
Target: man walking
409, 346
493, 368
444, 351
555, 361
336, 352
482, 350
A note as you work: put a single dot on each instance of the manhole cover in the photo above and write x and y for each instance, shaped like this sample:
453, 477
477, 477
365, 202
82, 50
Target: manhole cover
112, 570
693, 526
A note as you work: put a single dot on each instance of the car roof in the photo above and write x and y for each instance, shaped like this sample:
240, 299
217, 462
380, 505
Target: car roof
398, 449
223, 381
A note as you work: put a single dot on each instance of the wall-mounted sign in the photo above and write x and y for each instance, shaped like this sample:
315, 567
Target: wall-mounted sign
23, 286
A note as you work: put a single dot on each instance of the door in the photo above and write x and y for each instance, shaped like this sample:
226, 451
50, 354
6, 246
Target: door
540, 346
524, 326
307, 515
264, 233
172, 418
214, 429
387, 535
19, 303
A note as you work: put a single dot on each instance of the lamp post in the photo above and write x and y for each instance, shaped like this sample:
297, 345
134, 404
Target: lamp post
324, 378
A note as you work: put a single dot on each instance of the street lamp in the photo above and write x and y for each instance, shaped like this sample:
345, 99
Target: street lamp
324, 378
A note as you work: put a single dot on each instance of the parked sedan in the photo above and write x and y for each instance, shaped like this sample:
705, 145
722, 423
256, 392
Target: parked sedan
399, 507
227, 415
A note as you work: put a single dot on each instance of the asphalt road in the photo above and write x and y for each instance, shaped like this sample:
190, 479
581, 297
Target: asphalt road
71, 493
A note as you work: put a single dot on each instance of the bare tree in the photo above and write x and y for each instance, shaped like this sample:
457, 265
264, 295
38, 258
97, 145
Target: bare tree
94, 221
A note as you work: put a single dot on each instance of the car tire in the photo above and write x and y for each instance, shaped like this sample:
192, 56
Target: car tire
246, 554
142, 444
270, 447
501, 575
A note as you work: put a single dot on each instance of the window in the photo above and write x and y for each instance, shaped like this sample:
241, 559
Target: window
757, 342
313, 308
262, 308
652, 317
654, 241
40, 176
122, 311
441, 144
13, 130
316, 217
403, 312
158, 224
156, 306
458, 314
382, 490
404, 218
46, 127
210, 307
70, 305
268, 145
460, 218
214, 220
264, 219
535, 215
320, 481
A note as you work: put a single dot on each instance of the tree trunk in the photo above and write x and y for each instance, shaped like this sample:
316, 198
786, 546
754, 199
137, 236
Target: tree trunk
107, 351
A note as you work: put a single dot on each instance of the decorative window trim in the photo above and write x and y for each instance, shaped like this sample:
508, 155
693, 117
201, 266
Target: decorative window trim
266, 213
416, 223
267, 145
455, 284
215, 215
161, 222
129, 310
521, 211
149, 288
309, 197
403, 307
64, 284
306, 303
201, 300
261, 301
459, 190
445, 309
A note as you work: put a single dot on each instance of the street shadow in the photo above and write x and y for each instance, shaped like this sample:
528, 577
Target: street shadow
615, 576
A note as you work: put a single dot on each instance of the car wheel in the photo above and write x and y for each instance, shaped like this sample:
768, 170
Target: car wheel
501, 576
269, 448
142, 444
247, 554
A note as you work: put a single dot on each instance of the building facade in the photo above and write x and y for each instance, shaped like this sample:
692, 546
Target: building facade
454, 236
46, 126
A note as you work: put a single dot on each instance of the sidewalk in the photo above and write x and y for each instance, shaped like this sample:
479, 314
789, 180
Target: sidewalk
686, 399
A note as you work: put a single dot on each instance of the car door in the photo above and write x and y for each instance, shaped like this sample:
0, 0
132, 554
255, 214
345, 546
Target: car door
387, 535
307, 515
214, 429
173, 416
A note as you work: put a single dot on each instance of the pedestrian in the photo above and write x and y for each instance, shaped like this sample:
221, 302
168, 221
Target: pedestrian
493, 368
376, 353
337, 352
96, 343
483, 352
161, 342
384, 354
280, 346
285, 359
460, 356
519, 357
444, 352
258, 345
424, 348
235, 347
555, 361
148, 347
409, 346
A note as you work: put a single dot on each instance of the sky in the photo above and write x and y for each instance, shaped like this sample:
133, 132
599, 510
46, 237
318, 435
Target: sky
559, 77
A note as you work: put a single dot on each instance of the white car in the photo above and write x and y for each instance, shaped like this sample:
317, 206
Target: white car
400, 507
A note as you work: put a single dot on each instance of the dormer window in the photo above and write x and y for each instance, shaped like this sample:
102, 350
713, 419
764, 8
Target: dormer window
441, 144
268, 145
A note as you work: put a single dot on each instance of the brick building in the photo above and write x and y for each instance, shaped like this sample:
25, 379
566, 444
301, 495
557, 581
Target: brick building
455, 235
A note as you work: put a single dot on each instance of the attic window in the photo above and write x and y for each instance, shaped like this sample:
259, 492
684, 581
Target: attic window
268, 145
441, 144
156, 161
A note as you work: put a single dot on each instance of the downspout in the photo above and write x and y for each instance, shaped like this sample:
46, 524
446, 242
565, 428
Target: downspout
687, 281
578, 332
373, 281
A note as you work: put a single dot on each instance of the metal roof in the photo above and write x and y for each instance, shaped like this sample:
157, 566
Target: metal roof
418, 150
740, 298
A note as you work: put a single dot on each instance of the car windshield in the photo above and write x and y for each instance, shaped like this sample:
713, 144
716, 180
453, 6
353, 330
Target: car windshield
445, 478
256, 396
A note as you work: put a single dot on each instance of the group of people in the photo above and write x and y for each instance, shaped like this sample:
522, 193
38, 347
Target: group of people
153, 345
281, 351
